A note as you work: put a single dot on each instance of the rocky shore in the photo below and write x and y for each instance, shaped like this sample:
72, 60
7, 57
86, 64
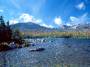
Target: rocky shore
9, 46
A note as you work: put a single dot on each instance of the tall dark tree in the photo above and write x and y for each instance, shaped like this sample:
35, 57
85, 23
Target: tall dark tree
5, 31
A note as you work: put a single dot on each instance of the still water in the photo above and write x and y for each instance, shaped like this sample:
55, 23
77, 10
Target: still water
59, 52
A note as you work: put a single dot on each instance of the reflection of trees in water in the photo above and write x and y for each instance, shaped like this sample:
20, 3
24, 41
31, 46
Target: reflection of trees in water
3, 60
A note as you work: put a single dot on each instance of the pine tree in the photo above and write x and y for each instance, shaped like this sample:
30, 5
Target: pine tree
5, 31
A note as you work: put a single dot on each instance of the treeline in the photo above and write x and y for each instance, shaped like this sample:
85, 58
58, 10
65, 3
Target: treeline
8, 35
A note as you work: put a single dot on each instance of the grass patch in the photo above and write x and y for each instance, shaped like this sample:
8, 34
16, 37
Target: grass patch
58, 34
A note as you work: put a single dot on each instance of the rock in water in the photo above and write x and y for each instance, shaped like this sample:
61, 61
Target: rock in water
38, 49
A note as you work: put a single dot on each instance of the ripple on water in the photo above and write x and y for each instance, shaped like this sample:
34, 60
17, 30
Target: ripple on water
59, 52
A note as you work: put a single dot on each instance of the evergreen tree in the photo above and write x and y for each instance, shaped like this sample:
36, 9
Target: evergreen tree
7, 34
5, 31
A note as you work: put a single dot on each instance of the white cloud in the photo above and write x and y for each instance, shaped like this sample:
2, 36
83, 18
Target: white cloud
68, 24
78, 20
14, 21
1, 11
45, 25
58, 21
26, 18
72, 18
80, 6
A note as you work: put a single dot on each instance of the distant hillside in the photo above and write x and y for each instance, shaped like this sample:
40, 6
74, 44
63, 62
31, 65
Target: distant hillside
31, 27
35, 30
80, 27
84, 27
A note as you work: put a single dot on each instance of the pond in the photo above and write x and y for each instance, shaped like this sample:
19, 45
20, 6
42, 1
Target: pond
59, 52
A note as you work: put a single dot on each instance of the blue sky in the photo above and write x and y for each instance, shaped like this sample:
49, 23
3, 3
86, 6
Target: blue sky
48, 13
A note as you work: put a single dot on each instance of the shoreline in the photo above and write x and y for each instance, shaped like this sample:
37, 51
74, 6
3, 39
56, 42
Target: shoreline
11, 46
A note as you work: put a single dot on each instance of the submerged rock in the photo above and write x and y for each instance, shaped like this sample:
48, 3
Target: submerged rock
37, 49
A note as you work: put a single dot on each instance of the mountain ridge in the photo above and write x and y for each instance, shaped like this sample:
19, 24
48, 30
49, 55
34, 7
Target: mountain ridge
32, 27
